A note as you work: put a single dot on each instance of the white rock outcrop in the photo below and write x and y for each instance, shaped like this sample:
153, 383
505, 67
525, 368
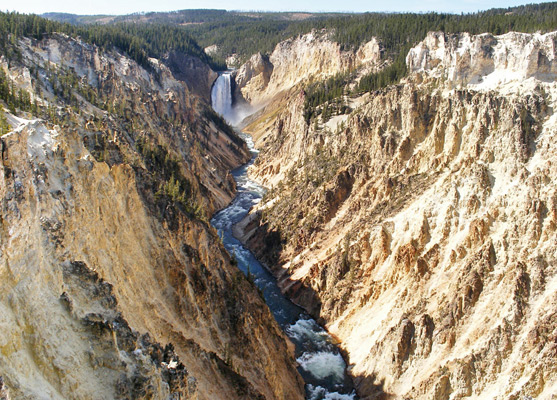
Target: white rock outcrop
486, 61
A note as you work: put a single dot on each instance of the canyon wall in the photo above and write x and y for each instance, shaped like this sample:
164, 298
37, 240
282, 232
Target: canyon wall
312, 56
421, 228
197, 75
112, 282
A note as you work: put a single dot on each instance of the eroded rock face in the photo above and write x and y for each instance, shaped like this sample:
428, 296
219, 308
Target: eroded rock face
422, 230
198, 76
313, 55
158, 105
253, 77
4, 394
486, 60
112, 282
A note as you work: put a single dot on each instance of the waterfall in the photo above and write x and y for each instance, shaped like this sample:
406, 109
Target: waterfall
221, 96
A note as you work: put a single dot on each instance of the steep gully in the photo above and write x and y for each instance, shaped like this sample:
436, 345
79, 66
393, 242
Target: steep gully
320, 362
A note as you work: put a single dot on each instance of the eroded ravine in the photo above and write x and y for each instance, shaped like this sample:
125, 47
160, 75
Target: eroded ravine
320, 361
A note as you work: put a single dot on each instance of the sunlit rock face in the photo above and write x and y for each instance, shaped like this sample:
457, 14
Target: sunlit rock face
311, 56
421, 228
112, 282
486, 61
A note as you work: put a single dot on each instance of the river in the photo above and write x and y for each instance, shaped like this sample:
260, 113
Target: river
320, 362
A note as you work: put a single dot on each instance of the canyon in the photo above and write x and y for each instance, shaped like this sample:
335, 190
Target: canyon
416, 222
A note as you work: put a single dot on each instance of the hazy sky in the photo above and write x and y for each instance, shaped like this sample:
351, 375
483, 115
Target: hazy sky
130, 6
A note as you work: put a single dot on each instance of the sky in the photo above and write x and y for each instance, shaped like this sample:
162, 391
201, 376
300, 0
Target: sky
131, 6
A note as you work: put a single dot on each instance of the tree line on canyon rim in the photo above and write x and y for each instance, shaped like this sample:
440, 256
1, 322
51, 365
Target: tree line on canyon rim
244, 34
151, 35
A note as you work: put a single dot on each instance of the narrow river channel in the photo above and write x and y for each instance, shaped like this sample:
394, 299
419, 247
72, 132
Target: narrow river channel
320, 362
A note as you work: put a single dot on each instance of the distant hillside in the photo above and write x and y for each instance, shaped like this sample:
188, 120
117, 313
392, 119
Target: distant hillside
245, 38
184, 17
75, 19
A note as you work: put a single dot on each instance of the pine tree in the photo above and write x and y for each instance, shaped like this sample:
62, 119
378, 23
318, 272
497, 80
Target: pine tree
4, 124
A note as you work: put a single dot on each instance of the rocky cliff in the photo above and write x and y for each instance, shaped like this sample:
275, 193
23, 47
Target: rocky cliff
421, 228
112, 282
311, 56
485, 61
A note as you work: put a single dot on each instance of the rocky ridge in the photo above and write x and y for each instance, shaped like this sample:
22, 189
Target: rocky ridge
113, 284
307, 57
421, 228
485, 61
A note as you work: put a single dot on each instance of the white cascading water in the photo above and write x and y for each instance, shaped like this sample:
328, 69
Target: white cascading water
221, 96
